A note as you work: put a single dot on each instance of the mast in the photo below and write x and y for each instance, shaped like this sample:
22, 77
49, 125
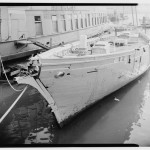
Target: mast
123, 15
132, 15
136, 15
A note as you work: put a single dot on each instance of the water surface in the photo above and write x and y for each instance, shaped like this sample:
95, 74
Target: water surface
122, 117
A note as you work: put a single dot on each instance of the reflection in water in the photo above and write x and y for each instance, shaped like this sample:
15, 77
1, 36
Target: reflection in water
29, 121
41, 136
140, 132
108, 121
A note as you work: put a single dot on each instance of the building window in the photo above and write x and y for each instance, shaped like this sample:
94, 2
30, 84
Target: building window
76, 21
97, 19
94, 23
79, 20
70, 25
101, 18
86, 21
82, 20
37, 18
93, 19
104, 19
63, 22
54, 23
38, 25
89, 20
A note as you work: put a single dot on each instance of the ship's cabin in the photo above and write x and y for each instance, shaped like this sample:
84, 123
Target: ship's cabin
101, 47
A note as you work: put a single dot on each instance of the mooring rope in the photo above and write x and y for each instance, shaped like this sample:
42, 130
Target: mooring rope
14, 103
8, 79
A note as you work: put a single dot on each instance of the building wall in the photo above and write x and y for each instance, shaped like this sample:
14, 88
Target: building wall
4, 23
19, 20
30, 23
48, 22
68, 8
17, 24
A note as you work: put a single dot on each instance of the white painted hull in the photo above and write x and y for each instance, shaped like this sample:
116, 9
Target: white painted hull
86, 80
86, 85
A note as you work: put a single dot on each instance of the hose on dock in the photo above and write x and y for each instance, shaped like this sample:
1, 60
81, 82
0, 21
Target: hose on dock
7, 77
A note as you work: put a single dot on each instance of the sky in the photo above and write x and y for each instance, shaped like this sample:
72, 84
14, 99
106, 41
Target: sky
144, 8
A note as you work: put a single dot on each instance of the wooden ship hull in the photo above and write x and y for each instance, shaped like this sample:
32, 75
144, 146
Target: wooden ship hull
71, 83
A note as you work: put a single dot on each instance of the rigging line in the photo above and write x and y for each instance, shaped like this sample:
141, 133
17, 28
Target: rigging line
136, 16
7, 77
132, 15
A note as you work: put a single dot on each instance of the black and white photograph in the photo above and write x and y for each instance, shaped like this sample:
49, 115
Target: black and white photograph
75, 74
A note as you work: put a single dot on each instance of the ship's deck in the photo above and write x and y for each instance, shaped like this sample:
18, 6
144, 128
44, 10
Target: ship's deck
115, 44
113, 49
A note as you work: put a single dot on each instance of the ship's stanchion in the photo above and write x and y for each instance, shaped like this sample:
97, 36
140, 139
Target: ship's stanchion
51, 43
134, 60
143, 50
